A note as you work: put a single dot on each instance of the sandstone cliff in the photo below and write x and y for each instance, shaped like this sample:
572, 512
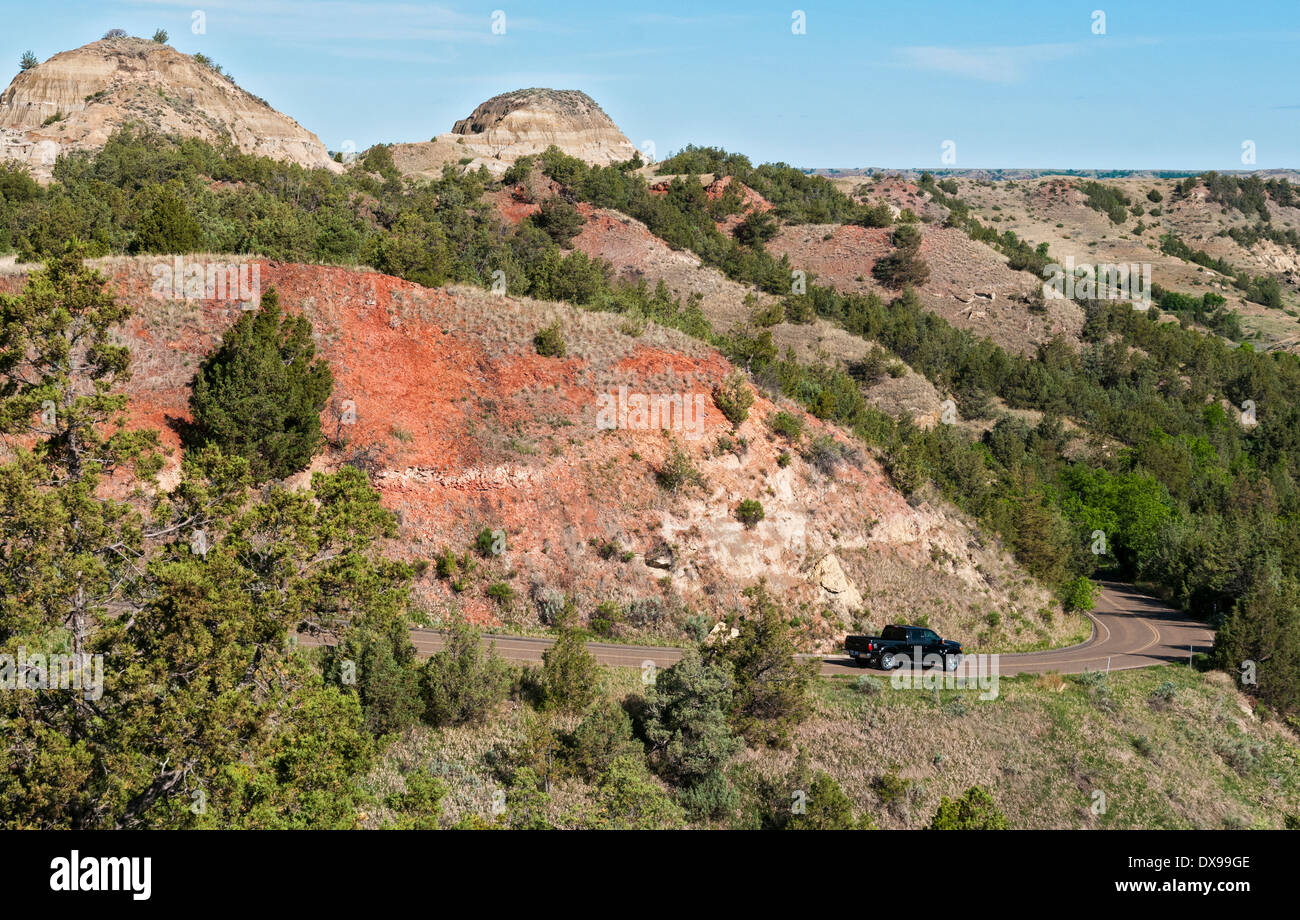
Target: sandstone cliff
77, 99
517, 124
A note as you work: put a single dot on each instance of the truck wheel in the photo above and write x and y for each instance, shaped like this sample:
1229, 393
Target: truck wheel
950, 662
888, 661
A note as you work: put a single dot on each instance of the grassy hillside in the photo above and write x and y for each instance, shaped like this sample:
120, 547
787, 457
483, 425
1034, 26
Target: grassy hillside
1168, 747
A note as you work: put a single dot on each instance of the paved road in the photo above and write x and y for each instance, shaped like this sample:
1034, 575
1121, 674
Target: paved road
1130, 630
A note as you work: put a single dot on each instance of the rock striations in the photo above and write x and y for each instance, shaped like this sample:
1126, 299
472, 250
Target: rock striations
522, 123
78, 98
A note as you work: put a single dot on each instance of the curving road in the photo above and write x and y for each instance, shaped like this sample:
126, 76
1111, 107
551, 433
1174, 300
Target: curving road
1130, 630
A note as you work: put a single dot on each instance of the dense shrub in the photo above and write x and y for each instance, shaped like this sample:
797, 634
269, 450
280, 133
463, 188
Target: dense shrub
771, 688
756, 229
788, 426
501, 592
260, 394
1079, 594
167, 226
489, 542
559, 220
684, 719
1259, 642
603, 736
1108, 200
902, 267
381, 668
627, 798
550, 341
460, 682
804, 799
678, 469
420, 801
570, 675
749, 512
733, 397
605, 618
975, 810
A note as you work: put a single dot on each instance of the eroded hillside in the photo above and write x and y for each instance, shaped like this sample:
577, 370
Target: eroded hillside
442, 396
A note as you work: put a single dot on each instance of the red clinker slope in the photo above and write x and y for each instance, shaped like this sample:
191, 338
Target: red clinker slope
463, 426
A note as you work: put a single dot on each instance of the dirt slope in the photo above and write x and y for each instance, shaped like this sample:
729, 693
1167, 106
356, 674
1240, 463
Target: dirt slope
970, 284
463, 426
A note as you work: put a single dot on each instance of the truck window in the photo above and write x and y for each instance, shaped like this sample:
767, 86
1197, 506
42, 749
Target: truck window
928, 635
894, 632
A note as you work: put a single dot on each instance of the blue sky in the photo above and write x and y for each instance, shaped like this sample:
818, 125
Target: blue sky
1178, 85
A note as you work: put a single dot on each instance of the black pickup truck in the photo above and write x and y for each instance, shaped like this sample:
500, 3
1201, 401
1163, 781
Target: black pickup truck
899, 644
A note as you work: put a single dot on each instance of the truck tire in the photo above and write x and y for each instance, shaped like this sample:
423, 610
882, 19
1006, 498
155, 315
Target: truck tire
950, 662
889, 661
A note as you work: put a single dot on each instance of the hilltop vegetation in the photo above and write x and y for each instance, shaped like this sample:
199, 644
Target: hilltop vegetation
794, 195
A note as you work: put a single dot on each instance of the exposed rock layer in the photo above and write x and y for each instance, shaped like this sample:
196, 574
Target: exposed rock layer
78, 98
522, 123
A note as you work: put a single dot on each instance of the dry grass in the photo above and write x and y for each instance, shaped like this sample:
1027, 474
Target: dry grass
1168, 747
1047, 744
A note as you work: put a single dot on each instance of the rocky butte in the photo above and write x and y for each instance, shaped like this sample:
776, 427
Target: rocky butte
78, 98
522, 123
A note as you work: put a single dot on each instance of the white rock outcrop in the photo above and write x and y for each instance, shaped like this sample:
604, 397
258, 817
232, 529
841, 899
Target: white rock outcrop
829, 574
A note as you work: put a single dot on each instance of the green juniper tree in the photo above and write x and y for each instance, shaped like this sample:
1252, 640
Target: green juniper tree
975, 810
902, 267
684, 722
460, 682
203, 715
570, 675
771, 694
260, 394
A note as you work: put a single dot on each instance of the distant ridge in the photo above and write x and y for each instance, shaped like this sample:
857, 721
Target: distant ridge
1011, 174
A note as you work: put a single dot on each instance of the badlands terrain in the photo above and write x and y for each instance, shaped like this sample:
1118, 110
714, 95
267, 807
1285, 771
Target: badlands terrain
895, 423
76, 99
